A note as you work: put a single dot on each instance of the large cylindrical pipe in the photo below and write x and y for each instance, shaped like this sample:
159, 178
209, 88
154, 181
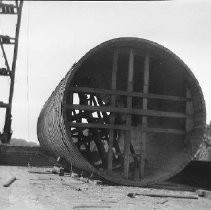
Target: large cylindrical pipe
129, 110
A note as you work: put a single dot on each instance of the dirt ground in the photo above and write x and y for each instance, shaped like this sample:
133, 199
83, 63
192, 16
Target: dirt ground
51, 191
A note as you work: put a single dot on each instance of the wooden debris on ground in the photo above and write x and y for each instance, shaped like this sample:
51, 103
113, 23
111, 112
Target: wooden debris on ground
204, 193
90, 207
167, 185
9, 182
165, 195
39, 172
54, 170
72, 186
164, 202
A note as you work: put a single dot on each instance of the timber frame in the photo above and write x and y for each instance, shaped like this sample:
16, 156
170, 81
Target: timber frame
82, 116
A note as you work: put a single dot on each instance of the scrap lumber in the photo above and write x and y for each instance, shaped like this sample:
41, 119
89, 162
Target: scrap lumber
9, 182
164, 195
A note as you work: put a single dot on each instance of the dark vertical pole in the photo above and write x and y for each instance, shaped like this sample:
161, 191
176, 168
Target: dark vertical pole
7, 126
112, 117
128, 121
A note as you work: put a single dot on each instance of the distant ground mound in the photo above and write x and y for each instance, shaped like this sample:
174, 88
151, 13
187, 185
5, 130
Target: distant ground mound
22, 142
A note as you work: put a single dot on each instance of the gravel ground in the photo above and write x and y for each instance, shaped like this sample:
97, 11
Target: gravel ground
51, 191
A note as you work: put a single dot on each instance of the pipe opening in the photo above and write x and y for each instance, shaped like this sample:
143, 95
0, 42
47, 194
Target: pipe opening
129, 108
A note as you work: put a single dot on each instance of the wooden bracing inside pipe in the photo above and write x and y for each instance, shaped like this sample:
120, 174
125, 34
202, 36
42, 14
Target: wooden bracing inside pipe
144, 118
104, 127
128, 119
112, 117
140, 129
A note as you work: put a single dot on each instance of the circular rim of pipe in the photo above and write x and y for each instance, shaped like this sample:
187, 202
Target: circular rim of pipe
150, 44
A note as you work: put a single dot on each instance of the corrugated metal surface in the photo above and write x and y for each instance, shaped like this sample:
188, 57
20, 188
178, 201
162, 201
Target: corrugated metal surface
54, 133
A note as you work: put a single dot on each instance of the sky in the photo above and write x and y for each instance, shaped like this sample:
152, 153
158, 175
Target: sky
54, 35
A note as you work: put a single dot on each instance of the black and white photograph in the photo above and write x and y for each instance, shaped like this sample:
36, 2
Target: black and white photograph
105, 105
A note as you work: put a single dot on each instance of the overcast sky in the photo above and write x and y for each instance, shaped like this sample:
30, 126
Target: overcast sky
54, 35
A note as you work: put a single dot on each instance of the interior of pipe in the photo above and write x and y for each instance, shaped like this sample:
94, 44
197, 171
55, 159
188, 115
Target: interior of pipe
165, 152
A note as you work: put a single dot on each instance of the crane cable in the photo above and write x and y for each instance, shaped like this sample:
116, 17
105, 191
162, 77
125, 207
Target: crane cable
27, 69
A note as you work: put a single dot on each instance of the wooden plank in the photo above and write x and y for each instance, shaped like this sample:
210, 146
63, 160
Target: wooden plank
164, 130
152, 113
112, 117
165, 195
98, 125
9, 182
189, 110
15, 13
124, 127
144, 118
128, 119
189, 123
126, 93
11, 43
5, 56
3, 105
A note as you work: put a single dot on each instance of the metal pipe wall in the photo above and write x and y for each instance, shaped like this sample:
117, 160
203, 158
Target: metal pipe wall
54, 133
